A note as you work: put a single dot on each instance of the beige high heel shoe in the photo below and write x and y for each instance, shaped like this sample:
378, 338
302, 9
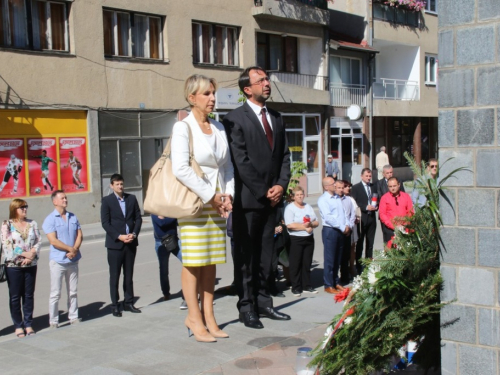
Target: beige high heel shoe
203, 338
220, 334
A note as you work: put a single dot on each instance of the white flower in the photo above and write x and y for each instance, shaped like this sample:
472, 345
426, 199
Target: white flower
372, 273
357, 283
328, 335
348, 320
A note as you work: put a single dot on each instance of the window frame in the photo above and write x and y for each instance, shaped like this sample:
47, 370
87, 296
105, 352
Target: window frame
428, 68
211, 56
428, 7
29, 20
132, 32
284, 53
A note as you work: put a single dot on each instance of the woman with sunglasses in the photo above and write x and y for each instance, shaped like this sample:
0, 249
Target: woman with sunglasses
21, 243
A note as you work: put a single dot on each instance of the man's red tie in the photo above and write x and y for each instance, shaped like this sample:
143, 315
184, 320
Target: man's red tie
269, 131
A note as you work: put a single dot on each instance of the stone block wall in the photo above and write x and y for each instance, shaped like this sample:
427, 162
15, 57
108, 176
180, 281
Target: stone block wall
469, 121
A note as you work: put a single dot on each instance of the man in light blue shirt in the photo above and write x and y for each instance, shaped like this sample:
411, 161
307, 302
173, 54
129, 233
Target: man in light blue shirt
65, 236
335, 228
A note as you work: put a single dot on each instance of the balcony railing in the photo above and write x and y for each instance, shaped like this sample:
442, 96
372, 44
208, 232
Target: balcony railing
396, 89
343, 95
395, 15
304, 80
322, 4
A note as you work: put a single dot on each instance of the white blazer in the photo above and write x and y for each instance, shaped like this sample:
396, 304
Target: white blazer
216, 166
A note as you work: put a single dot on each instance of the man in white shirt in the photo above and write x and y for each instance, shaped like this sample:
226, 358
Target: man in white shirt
335, 228
380, 160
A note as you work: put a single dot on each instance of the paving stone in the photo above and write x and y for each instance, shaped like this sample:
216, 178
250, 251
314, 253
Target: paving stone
488, 9
487, 165
446, 128
472, 280
463, 328
457, 159
488, 240
476, 127
474, 360
476, 45
447, 206
456, 88
449, 291
460, 245
448, 358
487, 90
476, 207
489, 327
456, 12
446, 48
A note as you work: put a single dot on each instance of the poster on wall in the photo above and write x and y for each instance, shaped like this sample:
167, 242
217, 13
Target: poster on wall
12, 174
42, 165
73, 159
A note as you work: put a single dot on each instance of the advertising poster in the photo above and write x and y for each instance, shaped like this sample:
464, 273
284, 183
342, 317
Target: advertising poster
12, 173
42, 165
73, 159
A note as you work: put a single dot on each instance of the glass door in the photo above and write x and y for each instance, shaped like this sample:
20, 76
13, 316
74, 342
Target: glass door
313, 154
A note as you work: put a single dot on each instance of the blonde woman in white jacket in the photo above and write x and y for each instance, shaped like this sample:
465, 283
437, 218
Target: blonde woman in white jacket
203, 240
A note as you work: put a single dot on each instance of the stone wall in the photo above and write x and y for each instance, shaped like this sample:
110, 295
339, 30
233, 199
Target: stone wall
469, 102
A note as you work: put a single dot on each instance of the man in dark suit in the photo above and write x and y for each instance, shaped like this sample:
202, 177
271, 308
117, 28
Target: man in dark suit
121, 219
362, 193
382, 188
261, 161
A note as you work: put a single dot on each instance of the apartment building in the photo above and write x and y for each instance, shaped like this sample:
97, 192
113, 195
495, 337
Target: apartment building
102, 82
383, 83
405, 98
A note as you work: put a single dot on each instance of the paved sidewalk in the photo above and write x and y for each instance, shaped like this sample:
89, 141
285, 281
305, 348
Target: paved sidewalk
156, 342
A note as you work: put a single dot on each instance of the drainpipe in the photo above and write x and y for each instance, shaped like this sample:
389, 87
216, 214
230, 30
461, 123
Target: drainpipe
370, 79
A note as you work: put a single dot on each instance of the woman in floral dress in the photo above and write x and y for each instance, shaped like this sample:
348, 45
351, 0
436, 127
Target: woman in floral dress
21, 243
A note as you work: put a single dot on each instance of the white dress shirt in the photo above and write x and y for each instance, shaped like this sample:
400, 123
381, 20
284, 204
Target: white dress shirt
258, 111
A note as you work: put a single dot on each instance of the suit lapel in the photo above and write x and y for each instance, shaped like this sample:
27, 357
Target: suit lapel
275, 127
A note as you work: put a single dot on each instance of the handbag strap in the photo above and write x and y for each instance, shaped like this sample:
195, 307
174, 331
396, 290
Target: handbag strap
167, 152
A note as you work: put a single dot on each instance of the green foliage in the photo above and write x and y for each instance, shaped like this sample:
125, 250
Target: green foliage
242, 98
297, 171
396, 298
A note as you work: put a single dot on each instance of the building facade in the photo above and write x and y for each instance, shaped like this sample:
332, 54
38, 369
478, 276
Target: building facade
468, 132
102, 81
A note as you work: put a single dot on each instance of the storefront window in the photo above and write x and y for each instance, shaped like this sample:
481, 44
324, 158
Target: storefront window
109, 157
295, 145
131, 163
293, 122
312, 126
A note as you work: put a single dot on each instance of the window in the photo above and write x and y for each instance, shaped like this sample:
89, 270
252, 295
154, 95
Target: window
277, 53
431, 64
132, 35
345, 70
215, 44
391, 14
48, 28
431, 6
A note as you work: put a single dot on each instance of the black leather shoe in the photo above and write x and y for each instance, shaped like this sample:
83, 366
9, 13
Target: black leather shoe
116, 312
251, 320
278, 294
131, 308
271, 313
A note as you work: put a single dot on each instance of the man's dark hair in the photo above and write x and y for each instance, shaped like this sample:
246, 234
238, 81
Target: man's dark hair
364, 170
393, 178
116, 177
44, 151
244, 80
54, 193
346, 183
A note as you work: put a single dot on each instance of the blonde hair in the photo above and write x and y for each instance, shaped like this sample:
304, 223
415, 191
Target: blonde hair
14, 205
197, 83
296, 189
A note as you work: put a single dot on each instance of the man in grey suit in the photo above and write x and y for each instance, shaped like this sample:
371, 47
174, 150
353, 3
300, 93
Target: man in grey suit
261, 162
332, 168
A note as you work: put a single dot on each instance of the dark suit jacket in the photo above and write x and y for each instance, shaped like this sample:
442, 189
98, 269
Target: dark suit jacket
382, 188
114, 223
358, 192
257, 167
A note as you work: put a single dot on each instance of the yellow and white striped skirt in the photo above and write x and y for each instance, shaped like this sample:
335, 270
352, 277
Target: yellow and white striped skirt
203, 240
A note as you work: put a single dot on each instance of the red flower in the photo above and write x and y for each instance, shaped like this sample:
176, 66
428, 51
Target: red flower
339, 297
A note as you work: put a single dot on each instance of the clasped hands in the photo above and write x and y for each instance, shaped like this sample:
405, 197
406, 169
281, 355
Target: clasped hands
73, 253
222, 203
29, 257
126, 238
274, 194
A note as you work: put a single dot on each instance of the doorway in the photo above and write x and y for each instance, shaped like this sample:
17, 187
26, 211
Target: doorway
346, 147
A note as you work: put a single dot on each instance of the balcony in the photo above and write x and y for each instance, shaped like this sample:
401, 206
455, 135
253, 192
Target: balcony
344, 95
396, 89
307, 11
303, 80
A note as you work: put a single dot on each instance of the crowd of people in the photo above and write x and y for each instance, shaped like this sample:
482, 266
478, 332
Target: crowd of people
246, 171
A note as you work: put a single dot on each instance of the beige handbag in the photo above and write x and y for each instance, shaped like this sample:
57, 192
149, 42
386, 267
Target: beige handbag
166, 195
